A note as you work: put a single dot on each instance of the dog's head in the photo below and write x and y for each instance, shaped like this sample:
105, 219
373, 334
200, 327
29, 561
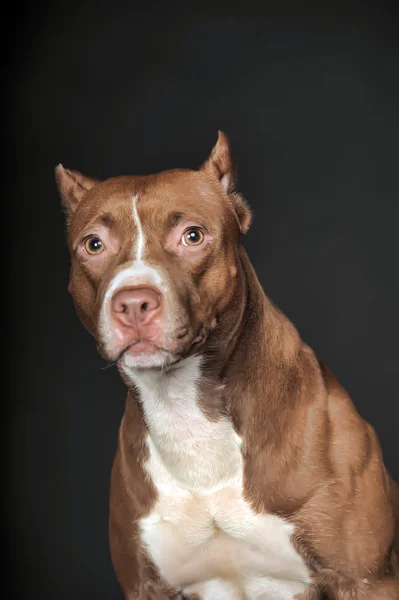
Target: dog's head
154, 259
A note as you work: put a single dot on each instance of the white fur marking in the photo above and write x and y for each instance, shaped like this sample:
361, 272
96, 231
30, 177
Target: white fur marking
140, 242
201, 527
215, 589
180, 433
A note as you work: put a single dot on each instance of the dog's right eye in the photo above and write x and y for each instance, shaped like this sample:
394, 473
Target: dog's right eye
193, 236
93, 245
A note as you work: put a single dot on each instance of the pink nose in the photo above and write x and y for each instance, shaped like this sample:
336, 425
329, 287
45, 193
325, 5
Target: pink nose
136, 306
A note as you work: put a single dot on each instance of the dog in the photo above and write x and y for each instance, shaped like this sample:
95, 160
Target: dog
243, 470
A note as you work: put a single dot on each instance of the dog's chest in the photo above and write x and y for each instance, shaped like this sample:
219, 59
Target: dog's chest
201, 527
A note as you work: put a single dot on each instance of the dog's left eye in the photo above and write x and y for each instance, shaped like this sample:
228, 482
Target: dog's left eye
193, 237
93, 245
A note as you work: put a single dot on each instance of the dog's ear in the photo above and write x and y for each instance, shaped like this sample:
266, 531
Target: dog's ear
221, 165
72, 186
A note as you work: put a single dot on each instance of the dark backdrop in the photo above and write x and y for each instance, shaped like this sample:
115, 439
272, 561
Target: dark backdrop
310, 101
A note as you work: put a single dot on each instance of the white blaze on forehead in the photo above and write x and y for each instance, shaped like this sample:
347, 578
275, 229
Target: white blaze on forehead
140, 241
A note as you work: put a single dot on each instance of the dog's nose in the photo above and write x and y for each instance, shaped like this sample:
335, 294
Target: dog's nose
136, 306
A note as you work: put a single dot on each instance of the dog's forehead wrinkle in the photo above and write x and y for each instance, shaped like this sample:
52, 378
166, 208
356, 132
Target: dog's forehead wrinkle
105, 219
111, 212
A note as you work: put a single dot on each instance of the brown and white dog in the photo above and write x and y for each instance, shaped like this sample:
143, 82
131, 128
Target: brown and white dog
243, 470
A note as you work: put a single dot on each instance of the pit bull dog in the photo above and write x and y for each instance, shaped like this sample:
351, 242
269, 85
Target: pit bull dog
243, 470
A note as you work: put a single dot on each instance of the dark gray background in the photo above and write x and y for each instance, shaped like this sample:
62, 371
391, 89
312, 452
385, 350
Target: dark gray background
310, 101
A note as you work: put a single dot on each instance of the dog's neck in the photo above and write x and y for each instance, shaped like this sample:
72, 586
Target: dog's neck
252, 335
211, 403
242, 326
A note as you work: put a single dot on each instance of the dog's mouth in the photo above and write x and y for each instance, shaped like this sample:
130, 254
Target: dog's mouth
143, 352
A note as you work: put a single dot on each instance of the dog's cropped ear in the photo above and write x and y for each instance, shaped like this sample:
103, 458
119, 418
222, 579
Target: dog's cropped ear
221, 165
72, 186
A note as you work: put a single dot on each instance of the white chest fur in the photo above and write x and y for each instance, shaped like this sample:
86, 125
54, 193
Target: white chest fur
202, 535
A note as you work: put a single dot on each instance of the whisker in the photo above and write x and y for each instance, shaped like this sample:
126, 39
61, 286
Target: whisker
110, 364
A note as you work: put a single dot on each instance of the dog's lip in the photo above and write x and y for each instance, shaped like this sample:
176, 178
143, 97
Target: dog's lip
141, 347
144, 346
136, 347
202, 334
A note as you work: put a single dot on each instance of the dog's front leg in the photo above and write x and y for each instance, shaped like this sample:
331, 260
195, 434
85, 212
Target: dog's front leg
136, 574
141, 581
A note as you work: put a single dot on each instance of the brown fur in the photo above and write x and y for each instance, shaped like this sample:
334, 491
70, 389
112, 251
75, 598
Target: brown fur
308, 454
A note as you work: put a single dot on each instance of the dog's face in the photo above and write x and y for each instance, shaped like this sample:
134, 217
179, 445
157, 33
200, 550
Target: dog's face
154, 259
